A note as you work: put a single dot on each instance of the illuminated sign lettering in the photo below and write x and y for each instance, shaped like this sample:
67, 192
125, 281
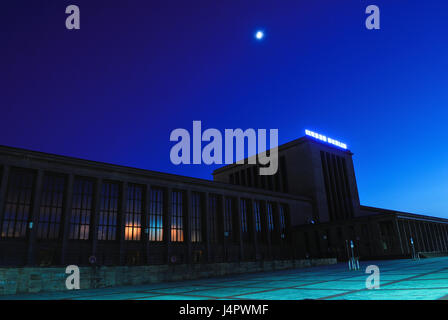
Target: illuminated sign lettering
321, 137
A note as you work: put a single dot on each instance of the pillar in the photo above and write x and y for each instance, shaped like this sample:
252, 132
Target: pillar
3, 188
168, 213
205, 214
122, 221
146, 221
187, 228
222, 237
34, 218
265, 226
239, 230
66, 217
252, 219
95, 217
398, 241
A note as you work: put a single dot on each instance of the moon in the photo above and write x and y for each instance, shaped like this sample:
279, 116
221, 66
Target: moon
259, 35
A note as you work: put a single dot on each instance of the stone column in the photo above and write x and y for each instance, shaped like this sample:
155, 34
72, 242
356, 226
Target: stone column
377, 246
338, 188
122, 221
255, 175
3, 189
334, 204
264, 208
146, 223
34, 217
252, 219
438, 237
404, 235
398, 241
280, 178
96, 214
188, 211
239, 230
435, 236
417, 237
205, 214
441, 238
276, 218
445, 235
411, 233
66, 216
427, 235
168, 213
430, 236
222, 236
444, 239
249, 176
422, 236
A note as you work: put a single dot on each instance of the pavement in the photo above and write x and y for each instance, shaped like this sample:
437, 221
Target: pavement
425, 279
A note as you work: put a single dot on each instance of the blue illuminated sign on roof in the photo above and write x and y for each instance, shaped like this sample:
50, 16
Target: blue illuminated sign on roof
321, 137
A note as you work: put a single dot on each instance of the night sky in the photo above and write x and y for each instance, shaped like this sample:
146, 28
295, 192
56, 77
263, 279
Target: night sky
114, 90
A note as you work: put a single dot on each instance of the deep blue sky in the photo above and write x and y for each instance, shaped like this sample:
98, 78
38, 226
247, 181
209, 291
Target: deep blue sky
114, 90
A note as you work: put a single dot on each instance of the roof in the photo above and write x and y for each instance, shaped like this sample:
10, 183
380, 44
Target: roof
283, 147
401, 214
77, 162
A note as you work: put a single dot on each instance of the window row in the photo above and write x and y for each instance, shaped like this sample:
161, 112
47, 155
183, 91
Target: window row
16, 218
250, 177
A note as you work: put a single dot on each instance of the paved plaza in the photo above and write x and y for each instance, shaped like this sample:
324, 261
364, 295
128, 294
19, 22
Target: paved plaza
426, 279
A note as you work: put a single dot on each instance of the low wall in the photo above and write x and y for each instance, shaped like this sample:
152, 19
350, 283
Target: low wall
36, 279
433, 254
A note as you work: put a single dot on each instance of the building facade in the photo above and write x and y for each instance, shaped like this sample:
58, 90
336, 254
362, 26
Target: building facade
57, 210
325, 174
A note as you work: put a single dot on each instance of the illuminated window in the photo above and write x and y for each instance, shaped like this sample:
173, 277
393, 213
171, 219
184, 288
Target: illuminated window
270, 215
107, 222
51, 207
228, 218
156, 215
177, 217
17, 204
81, 209
134, 210
257, 216
195, 219
213, 218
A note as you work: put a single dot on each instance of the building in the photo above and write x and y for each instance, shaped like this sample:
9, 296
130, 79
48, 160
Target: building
58, 210
322, 170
